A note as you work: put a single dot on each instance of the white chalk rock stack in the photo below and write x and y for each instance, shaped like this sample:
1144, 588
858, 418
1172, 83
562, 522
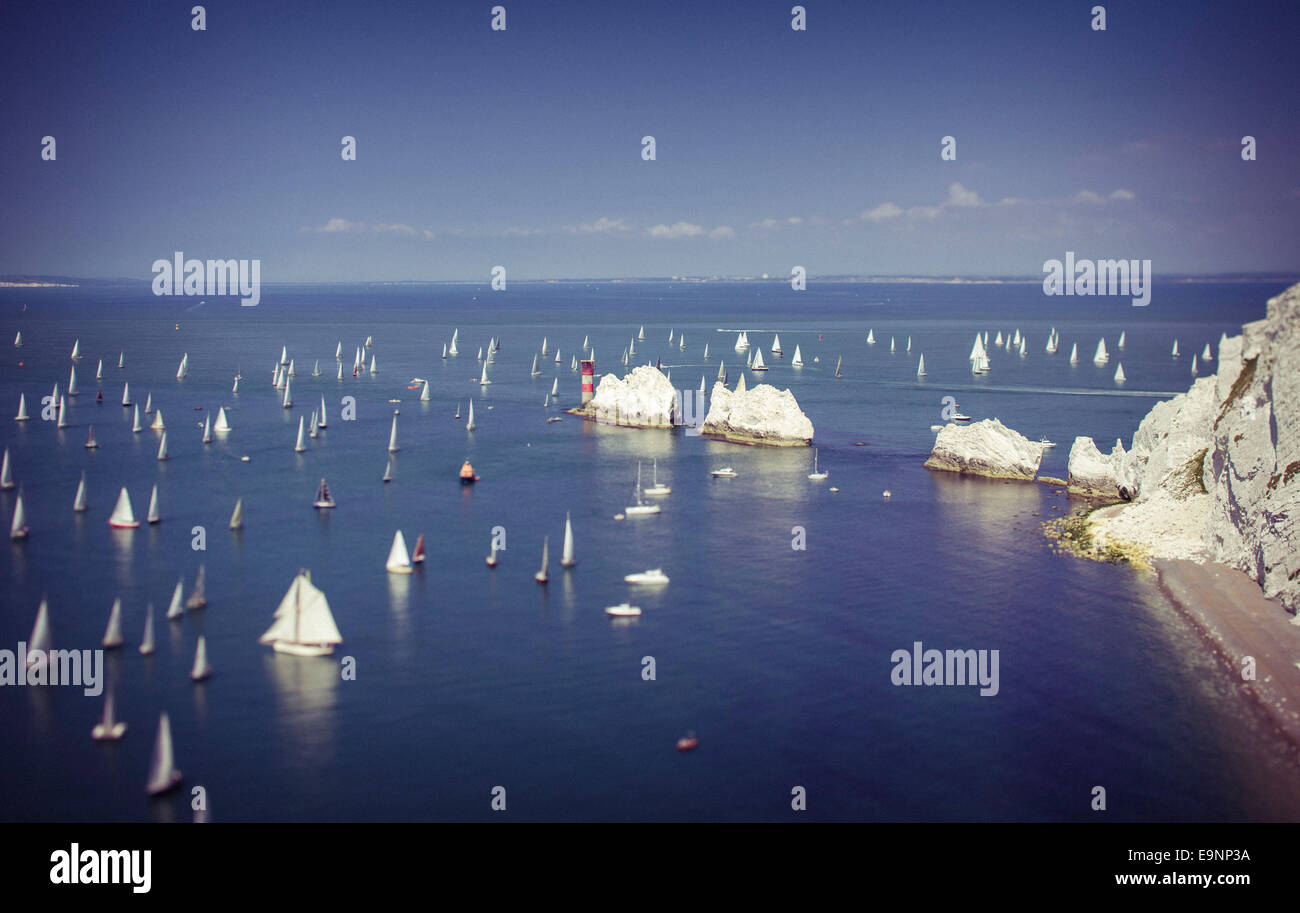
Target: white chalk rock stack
987, 448
644, 398
758, 415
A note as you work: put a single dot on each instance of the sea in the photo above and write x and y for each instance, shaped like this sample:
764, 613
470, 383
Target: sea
464, 693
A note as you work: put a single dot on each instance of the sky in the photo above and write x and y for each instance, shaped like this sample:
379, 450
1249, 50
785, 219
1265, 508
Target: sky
523, 147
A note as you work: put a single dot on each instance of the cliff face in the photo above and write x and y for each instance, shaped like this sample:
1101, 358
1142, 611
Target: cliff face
986, 448
1221, 463
759, 415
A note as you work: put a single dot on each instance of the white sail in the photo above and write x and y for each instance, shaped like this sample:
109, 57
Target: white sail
288, 397
22, 415
338, 350
154, 515
202, 668
740, 384
223, 424
839, 363
567, 559
6, 473
640, 335
315, 371
148, 404
388, 471
706, 351
424, 393
891, 345
1024, 346
451, 349
135, 422
871, 337
1119, 374
1074, 354
292, 370
41, 638
147, 643
544, 345
997, 340
63, 412
91, 443
1193, 364
284, 355
113, 631
301, 444
1175, 351
99, 372
483, 380
399, 560
534, 372
18, 339
163, 774
469, 426
303, 618
123, 517
340, 377
1101, 357
703, 389
184, 367
373, 369
207, 429
176, 608
557, 355
1120, 344
920, 368
79, 502
18, 528
320, 420
392, 437
555, 387
740, 342
542, 575
977, 350
237, 517
126, 394
758, 364
76, 349
797, 361
444, 350
909, 343
1205, 353
776, 343
198, 596
312, 425
162, 447
370, 342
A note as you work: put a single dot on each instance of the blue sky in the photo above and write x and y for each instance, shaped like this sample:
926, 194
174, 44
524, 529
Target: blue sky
523, 147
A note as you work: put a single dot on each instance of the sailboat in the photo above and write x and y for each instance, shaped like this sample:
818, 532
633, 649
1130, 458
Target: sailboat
176, 608
1101, 357
292, 371
356, 363
126, 394
154, 515
541, 576
706, 351
113, 631
79, 502
871, 337
147, 643
370, 342
163, 775
284, 355
483, 379
555, 387
1024, 347
458, 407
323, 498
670, 334
758, 361
22, 415
891, 345
338, 351
388, 471
1074, 354
184, 367
18, 528
373, 369
197, 598
148, 404
491, 559
38, 645
451, 349
567, 559
76, 350
301, 445
18, 340
797, 361
123, 517
320, 419
444, 350
6, 473
315, 371
1175, 351
640, 335
656, 488
1120, 344
288, 397
1193, 364
392, 437
202, 668
207, 429
997, 341
839, 363
340, 375
223, 424
920, 367
479, 357
535, 371
909, 343
469, 426
63, 412
424, 393
109, 728
237, 516
417, 556
640, 507
399, 561
817, 475
136, 428
1205, 353
99, 371
1119, 374
72, 381
681, 342
740, 342
544, 349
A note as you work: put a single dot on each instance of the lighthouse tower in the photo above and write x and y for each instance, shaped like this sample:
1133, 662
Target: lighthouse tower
588, 380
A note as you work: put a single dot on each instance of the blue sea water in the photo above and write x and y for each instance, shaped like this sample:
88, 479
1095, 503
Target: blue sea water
468, 678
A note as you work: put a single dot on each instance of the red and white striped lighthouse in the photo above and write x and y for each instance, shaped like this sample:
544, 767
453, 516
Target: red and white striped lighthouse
588, 380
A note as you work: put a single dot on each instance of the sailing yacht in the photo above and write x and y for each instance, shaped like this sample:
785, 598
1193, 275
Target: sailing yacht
542, 576
373, 369
63, 412
207, 429
136, 428
109, 728
909, 343
303, 625
1024, 347
18, 528
38, 645
491, 559
1193, 364
202, 668
640, 335
288, 398
147, 642
22, 415
184, 367
640, 507
126, 395
399, 561
79, 502
323, 498
388, 472
555, 387
567, 558
1205, 353
76, 350
1175, 351
417, 556
163, 775
197, 598
392, 437
7, 474
544, 349
839, 363
758, 361
176, 608
320, 421
123, 517
483, 378
1120, 344
444, 350
315, 371
920, 368
154, 515
871, 337
817, 475
1074, 354
72, 381
18, 340
301, 444
1101, 357
656, 488
797, 361
891, 345
237, 516
370, 342
653, 577
535, 372
223, 424
469, 425
1119, 374
113, 631
740, 342
424, 393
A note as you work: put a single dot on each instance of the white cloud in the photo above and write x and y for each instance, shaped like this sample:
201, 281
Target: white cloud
1123, 194
723, 231
1087, 196
347, 226
337, 225
675, 231
601, 226
960, 196
766, 223
882, 212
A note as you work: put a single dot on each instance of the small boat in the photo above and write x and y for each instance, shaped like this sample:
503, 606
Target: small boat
839, 363
797, 360
126, 394
758, 364
18, 340
706, 351
22, 415
491, 559
301, 444
1175, 351
567, 558
871, 337
1074, 354
687, 742
222, 424
284, 355
292, 371
724, 473
109, 728
197, 599
817, 475
640, 508
113, 632
370, 342
304, 625
417, 556
320, 421
207, 429
1046, 443
640, 335
388, 471
1120, 344
652, 577
315, 371
136, 427
656, 488
91, 443
76, 350
184, 367
469, 425
959, 416
373, 368
63, 412
163, 775
176, 608
148, 404
147, 642
1194, 364
1119, 374
38, 645
79, 502
1205, 353
483, 379
288, 397
399, 560
920, 368
237, 515
467, 476
202, 669
392, 437
123, 517
553, 419
323, 499
891, 345
18, 528
541, 576
7, 475
623, 610
1101, 357
153, 516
